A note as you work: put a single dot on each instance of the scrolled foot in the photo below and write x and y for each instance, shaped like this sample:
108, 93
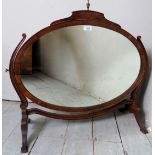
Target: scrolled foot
140, 121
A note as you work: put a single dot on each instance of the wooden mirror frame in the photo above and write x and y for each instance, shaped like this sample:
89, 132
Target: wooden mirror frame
129, 100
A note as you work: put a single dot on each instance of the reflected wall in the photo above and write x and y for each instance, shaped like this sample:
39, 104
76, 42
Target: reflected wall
96, 62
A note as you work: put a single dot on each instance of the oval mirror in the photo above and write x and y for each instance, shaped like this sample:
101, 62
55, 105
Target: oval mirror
80, 66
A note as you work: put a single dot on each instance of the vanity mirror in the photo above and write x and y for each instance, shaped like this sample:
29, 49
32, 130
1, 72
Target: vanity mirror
84, 66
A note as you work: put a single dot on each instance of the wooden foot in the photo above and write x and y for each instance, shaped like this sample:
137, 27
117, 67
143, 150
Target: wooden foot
24, 149
138, 116
135, 109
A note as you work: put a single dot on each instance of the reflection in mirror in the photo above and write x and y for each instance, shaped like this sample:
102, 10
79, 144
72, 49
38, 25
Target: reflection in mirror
79, 66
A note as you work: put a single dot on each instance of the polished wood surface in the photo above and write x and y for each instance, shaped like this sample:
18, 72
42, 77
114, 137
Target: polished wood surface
77, 18
26, 62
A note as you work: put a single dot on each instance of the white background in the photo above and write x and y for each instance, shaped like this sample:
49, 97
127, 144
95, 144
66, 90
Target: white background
30, 16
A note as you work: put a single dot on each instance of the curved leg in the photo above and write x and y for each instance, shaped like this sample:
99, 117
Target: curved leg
135, 109
138, 115
24, 130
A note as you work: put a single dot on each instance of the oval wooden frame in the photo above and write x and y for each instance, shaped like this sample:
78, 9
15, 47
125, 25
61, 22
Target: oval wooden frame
82, 17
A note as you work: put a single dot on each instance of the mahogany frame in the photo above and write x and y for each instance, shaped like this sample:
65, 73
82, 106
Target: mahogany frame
82, 17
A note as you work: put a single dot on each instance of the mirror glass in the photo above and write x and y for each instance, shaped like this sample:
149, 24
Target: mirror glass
79, 66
